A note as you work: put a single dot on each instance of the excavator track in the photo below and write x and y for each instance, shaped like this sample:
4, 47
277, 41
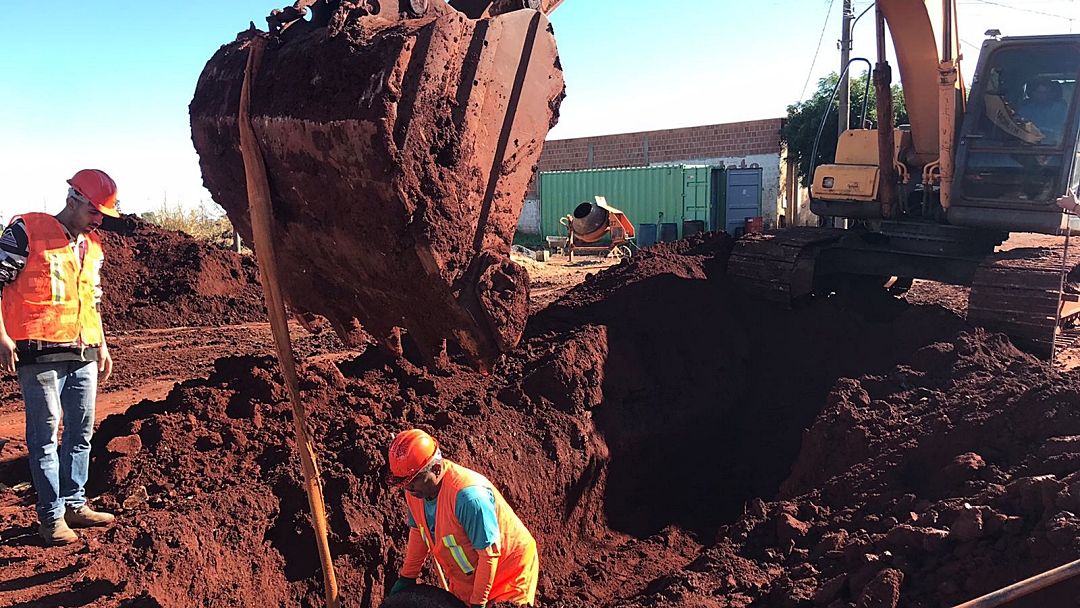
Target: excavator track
1016, 292
779, 266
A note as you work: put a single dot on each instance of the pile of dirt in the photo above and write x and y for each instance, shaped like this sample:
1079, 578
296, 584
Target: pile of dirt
157, 278
636, 431
942, 480
951, 297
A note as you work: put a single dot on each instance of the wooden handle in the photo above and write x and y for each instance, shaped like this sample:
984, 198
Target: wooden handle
262, 225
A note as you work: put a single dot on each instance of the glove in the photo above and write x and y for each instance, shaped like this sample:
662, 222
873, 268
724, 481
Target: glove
402, 584
1068, 202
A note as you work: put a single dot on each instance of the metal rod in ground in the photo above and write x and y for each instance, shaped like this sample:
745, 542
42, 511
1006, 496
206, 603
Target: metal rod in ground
1024, 587
1061, 297
262, 228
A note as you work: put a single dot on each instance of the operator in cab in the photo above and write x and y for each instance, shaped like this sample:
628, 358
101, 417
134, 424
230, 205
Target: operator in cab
1046, 108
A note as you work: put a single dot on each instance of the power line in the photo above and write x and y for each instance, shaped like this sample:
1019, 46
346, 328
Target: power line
977, 48
828, 13
1024, 10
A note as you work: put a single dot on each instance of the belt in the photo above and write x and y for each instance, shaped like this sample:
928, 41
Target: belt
37, 351
44, 345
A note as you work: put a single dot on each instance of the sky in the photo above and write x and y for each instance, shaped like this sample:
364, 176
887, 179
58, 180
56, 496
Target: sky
106, 84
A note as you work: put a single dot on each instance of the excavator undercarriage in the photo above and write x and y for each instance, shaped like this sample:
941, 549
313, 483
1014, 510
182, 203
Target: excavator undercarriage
1020, 293
1017, 292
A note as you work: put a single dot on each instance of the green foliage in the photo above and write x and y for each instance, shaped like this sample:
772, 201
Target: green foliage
804, 119
212, 226
532, 241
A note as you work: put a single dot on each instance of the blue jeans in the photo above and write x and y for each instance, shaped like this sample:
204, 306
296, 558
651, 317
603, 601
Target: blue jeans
50, 390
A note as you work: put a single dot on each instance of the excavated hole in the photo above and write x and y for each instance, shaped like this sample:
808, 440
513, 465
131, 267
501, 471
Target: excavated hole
705, 406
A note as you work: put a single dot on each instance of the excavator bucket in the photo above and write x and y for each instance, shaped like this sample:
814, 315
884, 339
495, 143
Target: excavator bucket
399, 143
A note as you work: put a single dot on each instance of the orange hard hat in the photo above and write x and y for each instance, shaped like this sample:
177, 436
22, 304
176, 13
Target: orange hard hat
97, 187
410, 452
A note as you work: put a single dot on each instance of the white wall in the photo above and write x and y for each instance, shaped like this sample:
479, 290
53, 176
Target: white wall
529, 221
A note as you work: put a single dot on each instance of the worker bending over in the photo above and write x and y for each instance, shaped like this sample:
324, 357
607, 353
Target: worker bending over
482, 550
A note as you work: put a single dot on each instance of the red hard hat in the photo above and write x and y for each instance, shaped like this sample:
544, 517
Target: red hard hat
410, 452
97, 187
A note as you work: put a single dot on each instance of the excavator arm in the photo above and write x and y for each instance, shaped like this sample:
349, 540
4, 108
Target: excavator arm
922, 43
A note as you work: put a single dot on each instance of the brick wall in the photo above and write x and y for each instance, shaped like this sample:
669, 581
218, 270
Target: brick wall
737, 139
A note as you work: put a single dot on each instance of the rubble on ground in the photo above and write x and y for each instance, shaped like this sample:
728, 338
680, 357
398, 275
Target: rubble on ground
667, 442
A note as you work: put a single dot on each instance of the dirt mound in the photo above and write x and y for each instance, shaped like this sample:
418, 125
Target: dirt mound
937, 482
635, 430
155, 278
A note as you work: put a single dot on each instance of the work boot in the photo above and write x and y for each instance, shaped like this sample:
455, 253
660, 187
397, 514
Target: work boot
85, 517
57, 532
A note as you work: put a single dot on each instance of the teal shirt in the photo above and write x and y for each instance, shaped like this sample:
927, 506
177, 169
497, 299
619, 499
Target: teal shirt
475, 511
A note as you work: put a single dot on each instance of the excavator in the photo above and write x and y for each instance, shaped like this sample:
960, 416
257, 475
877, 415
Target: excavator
393, 141
934, 199
399, 137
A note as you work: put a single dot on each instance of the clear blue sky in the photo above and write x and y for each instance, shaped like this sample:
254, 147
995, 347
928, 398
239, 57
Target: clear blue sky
107, 84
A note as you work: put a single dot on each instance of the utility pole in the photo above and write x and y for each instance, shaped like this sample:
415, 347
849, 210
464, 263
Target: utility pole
845, 78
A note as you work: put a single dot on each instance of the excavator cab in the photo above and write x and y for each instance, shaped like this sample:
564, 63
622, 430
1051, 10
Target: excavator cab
1018, 143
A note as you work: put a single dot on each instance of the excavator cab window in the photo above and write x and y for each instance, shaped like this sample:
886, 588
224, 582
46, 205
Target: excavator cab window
1027, 96
1023, 110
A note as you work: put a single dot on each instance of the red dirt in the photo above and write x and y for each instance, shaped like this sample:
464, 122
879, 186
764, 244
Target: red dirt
636, 430
395, 200
159, 278
950, 297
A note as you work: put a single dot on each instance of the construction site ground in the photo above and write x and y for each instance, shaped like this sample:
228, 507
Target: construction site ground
668, 442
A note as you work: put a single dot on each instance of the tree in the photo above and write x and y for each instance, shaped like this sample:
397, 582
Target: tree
804, 120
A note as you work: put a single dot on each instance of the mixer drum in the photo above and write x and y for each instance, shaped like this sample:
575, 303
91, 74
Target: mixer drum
590, 222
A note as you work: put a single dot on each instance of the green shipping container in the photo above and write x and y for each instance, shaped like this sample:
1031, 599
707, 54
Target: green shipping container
647, 195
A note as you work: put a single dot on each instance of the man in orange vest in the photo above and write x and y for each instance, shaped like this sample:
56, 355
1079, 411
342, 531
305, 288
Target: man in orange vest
483, 553
51, 336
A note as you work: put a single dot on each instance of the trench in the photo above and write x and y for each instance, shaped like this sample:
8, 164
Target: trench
705, 397
706, 401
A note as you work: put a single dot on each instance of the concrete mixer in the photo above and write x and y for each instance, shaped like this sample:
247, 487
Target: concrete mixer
598, 227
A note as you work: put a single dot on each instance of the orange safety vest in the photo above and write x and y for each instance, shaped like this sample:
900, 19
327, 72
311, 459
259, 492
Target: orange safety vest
518, 568
52, 299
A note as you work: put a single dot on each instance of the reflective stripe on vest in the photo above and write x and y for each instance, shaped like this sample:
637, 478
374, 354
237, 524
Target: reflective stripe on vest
515, 575
56, 273
458, 553
53, 298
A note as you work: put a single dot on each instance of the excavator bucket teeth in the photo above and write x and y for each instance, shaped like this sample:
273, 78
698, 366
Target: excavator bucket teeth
398, 154
1017, 292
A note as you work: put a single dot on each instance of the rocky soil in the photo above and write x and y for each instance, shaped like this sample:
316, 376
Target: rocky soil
667, 441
